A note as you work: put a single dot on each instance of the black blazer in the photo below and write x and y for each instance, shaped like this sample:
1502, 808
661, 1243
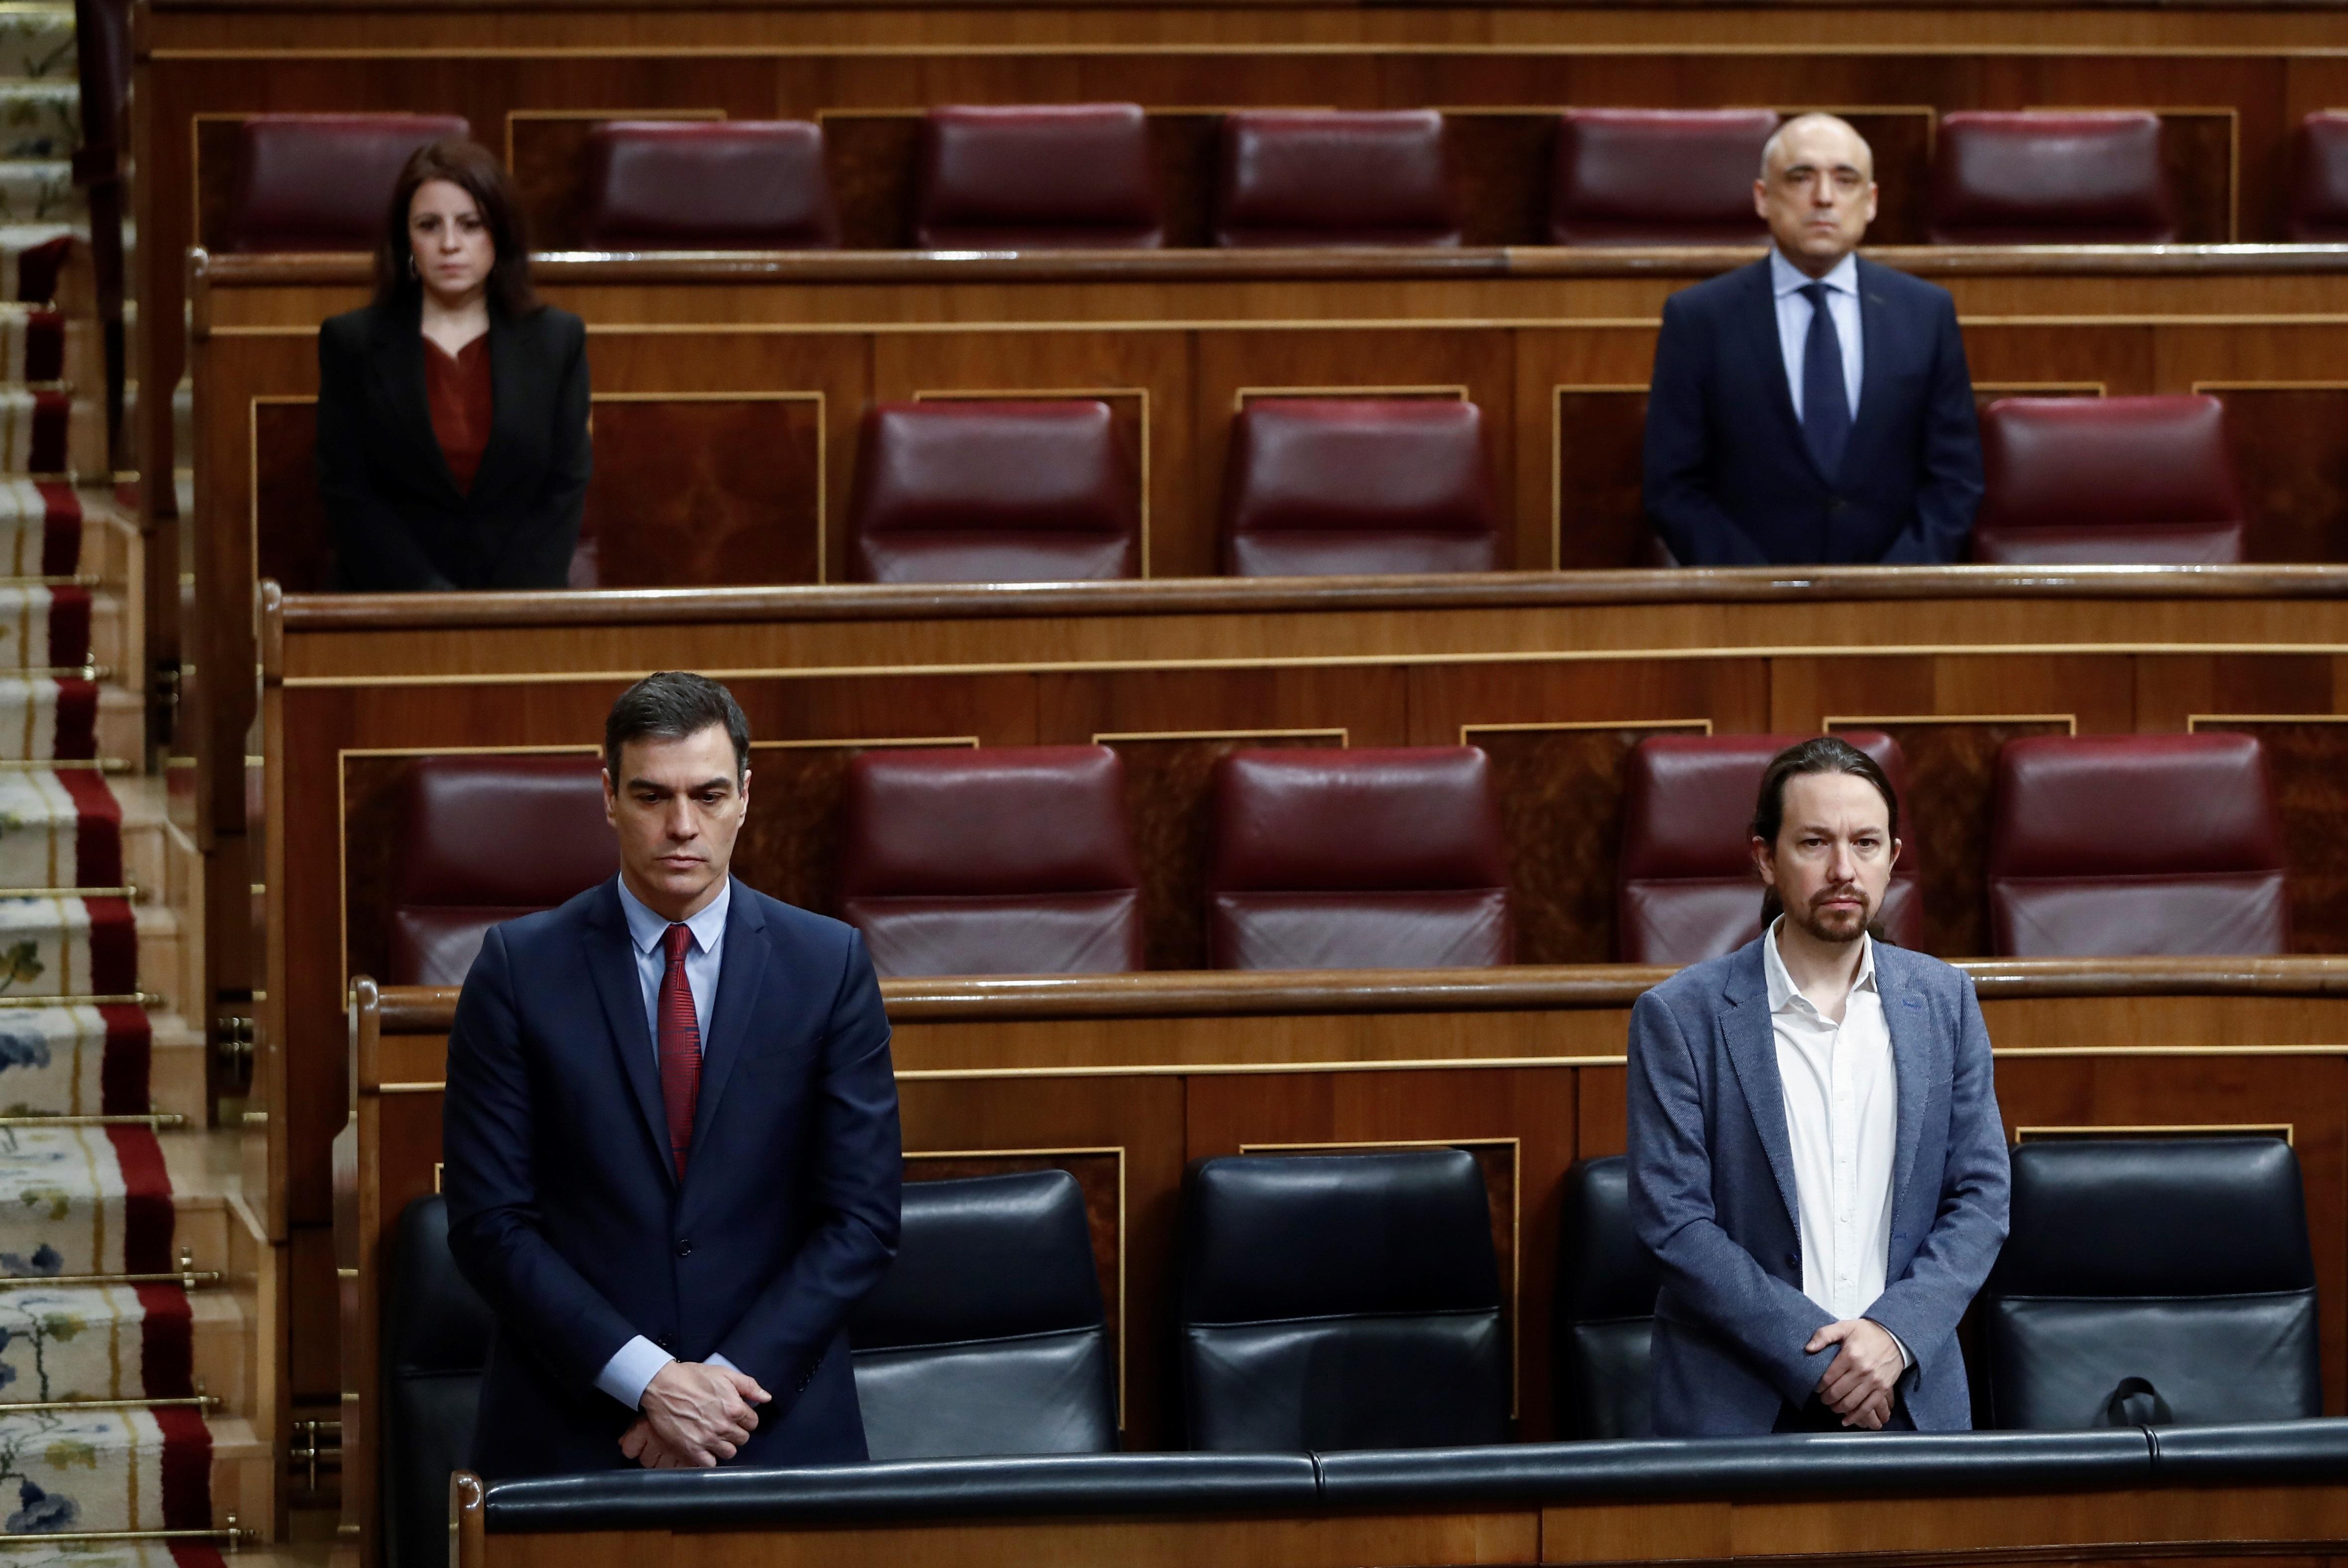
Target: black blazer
1729, 480
399, 521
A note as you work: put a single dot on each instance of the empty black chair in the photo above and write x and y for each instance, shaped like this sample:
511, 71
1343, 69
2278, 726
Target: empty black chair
1341, 1302
436, 1340
2150, 1281
1606, 1285
986, 1335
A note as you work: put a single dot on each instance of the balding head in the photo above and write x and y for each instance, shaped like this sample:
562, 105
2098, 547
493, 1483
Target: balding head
1817, 189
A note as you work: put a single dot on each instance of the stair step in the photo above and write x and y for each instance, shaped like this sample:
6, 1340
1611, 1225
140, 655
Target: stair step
39, 343
52, 432
39, 190
36, 43
40, 118
120, 1342
178, 1063
170, 954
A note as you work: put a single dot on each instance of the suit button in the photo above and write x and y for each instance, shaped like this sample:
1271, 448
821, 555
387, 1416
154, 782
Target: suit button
685, 1246
663, 1344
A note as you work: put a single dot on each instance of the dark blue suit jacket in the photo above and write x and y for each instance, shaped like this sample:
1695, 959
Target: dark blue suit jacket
1729, 480
1712, 1197
565, 1213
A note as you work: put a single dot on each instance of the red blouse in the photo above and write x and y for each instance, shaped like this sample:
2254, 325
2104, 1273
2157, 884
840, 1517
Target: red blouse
457, 385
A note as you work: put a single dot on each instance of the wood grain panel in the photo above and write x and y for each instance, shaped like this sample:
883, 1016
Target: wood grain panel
1561, 793
2290, 452
1597, 434
291, 541
1170, 803
2308, 762
694, 491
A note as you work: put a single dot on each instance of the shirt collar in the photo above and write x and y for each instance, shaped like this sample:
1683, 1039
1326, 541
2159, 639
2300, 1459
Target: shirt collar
646, 928
1785, 277
1782, 990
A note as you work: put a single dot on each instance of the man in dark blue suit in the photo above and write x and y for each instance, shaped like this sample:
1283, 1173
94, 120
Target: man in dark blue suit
1813, 407
671, 1235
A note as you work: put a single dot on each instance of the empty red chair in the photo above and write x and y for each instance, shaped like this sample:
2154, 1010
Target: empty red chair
1658, 176
706, 185
1685, 888
1329, 486
1357, 860
1326, 177
2112, 845
2056, 178
2319, 179
1036, 176
1006, 861
488, 839
994, 492
2125, 480
322, 182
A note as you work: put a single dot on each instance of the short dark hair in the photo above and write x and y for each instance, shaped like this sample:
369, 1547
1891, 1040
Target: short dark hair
474, 170
669, 706
1819, 754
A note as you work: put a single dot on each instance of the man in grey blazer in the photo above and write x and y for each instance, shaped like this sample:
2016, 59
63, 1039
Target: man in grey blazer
1816, 1156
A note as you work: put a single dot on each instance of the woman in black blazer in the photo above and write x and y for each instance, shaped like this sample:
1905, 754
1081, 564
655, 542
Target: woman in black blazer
452, 412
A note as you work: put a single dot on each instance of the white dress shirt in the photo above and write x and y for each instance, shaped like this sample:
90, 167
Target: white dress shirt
1794, 312
636, 1363
1842, 1117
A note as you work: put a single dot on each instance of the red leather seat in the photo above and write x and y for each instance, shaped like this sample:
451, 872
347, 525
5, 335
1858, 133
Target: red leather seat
487, 838
707, 185
2110, 845
1326, 177
994, 492
1658, 177
1036, 177
2319, 181
1329, 486
322, 182
1006, 860
2122, 480
1686, 888
2059, 178
1357, 860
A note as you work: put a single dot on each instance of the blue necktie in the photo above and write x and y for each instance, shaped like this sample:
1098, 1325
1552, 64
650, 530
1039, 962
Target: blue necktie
1826, 398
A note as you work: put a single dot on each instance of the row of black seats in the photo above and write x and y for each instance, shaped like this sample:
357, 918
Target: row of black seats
1351, 1302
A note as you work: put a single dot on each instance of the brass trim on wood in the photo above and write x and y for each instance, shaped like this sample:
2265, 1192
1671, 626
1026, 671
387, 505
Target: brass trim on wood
2070, 721
1456, 392
1701, 726
2282, 1130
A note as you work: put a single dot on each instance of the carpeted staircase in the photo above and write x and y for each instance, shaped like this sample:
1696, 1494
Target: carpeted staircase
126, 1358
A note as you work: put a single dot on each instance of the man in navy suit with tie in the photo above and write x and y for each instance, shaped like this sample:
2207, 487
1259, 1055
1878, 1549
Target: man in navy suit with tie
671, 1142
1813, 407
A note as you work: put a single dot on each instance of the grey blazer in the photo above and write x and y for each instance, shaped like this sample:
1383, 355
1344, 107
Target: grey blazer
1711, 1193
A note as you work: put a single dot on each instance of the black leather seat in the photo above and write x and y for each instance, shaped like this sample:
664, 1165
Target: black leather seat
2150, 1281
1341, 1302
1606, 1285
436, 1340
987, 1335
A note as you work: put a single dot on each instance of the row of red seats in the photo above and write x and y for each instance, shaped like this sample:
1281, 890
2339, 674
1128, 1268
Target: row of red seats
1038, 176
1045, 492
1019, 860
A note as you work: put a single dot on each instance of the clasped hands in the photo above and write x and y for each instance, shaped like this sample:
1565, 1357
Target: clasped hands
694, 1416
1857, 1385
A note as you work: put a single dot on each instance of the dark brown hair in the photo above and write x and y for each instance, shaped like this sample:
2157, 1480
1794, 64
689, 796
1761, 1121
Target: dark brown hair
671, 705
474, 170
1819, 754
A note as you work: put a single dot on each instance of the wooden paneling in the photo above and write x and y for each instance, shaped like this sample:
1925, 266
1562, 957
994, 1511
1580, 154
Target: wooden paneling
691, 491
2309, 769
2291, 445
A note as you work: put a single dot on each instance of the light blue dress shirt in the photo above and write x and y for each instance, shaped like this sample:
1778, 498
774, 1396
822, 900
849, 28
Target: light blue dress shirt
636, 1363
1794, 311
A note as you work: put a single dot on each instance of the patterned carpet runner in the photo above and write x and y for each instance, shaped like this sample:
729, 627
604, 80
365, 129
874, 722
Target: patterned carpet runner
76, 1199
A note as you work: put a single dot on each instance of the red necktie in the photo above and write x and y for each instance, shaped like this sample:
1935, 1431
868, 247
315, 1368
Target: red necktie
680, 1046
